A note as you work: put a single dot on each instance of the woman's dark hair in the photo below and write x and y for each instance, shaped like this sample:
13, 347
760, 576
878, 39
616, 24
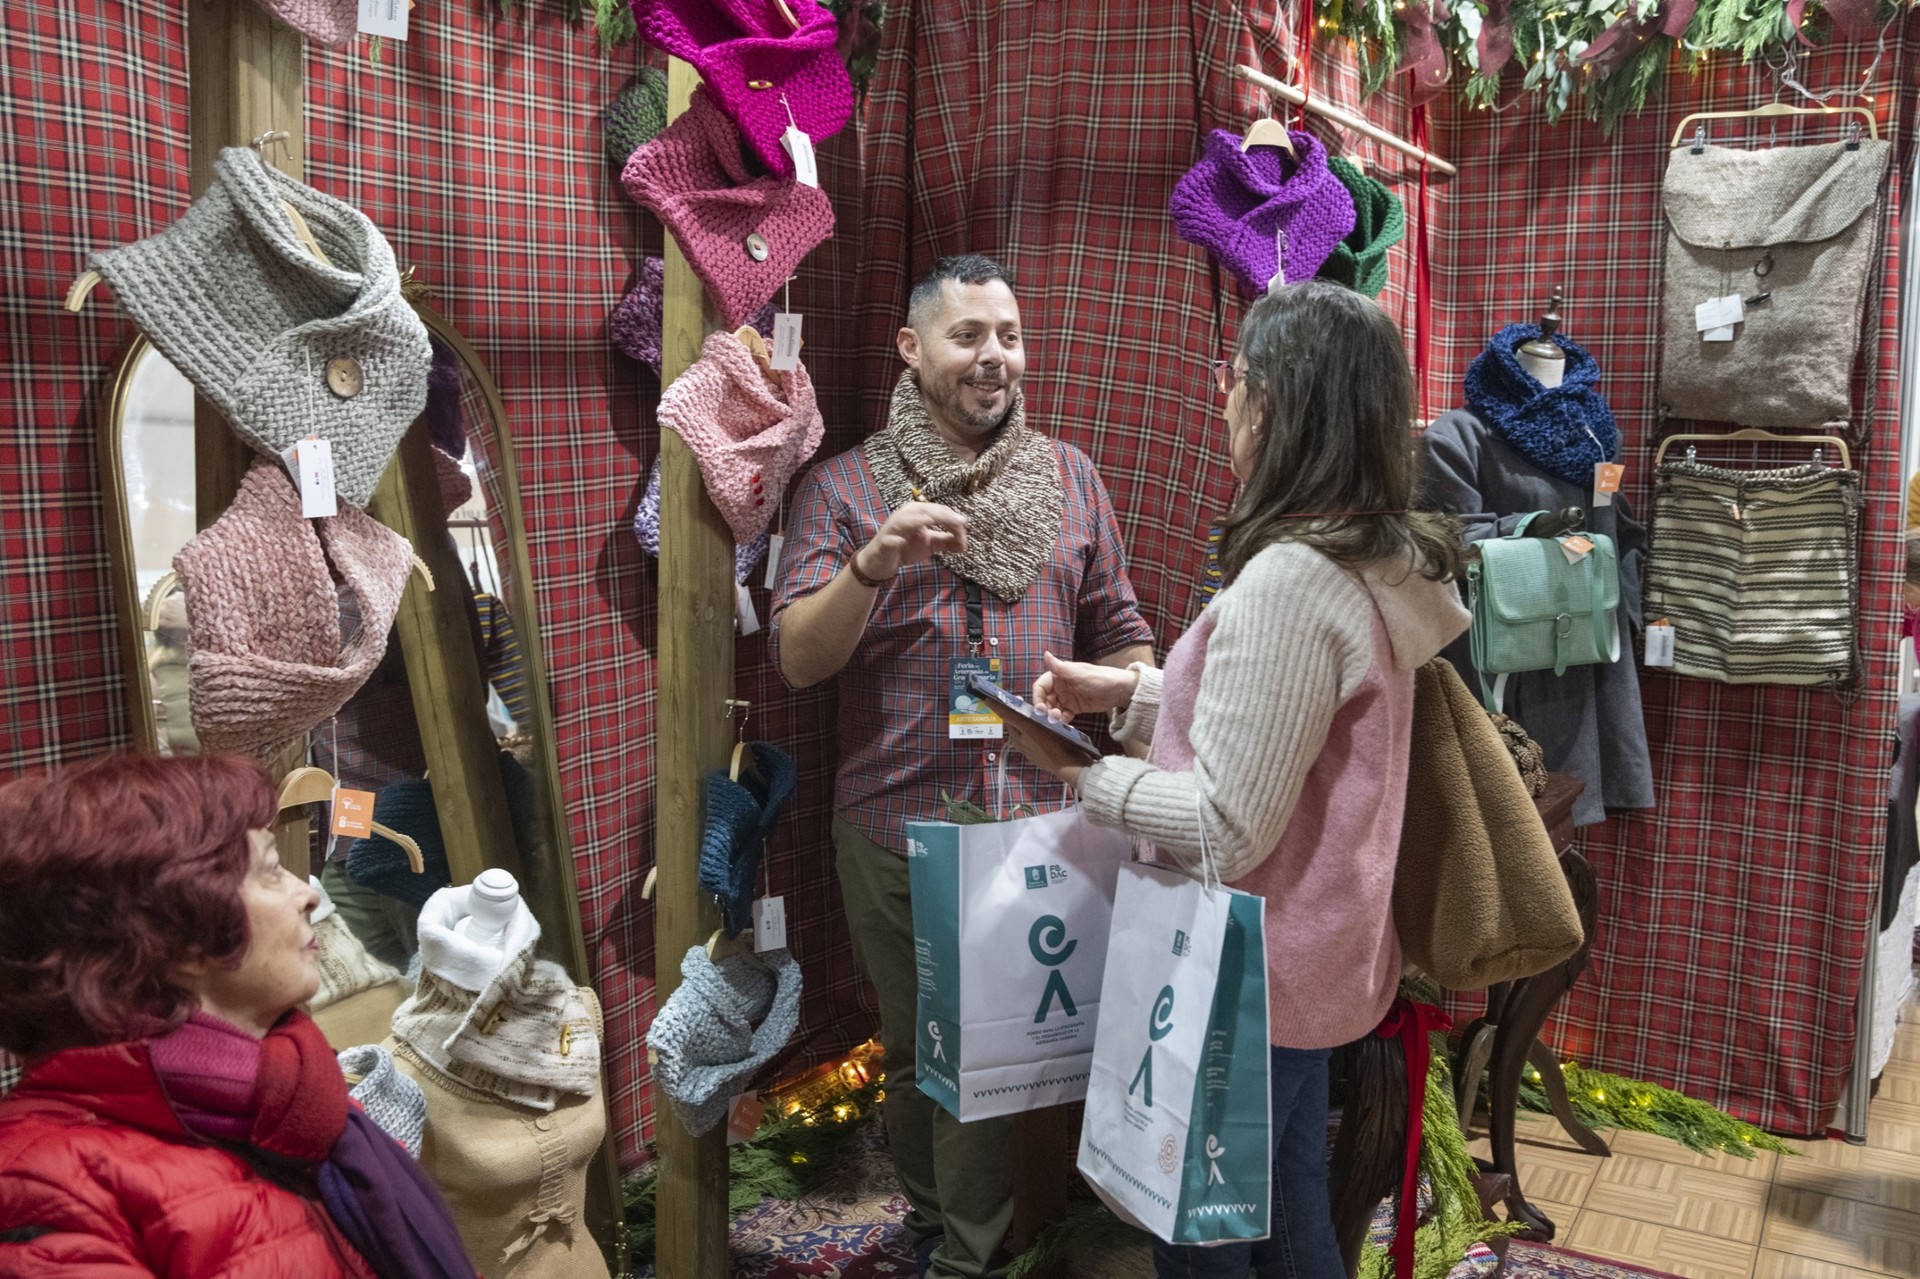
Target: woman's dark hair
111, 872
1335, 466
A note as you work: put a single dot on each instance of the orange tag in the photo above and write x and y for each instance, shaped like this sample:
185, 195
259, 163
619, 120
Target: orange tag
743, 1117
1575, 548
352, 812
1607, 477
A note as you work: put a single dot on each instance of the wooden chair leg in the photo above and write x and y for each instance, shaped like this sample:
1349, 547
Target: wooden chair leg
1477, 1053
1555, 1083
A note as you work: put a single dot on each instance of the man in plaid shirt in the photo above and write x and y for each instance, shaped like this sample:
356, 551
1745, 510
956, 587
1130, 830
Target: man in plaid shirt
953, 539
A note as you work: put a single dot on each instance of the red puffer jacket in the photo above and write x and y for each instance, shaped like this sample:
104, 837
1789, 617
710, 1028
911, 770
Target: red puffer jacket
99, 1180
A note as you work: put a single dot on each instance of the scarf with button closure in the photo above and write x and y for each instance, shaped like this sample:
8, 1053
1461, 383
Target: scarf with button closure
1012, 494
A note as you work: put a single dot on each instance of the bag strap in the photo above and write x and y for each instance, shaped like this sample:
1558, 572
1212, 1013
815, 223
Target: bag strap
1520, 529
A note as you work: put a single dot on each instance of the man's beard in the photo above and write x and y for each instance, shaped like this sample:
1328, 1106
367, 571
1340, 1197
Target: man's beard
948, 399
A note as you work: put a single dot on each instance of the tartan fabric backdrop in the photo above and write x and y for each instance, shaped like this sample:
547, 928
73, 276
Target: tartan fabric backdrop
1735, 918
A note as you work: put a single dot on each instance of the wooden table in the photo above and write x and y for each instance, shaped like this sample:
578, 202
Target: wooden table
1506, 1038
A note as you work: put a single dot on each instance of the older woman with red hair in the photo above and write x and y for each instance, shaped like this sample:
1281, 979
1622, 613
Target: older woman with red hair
180, 1115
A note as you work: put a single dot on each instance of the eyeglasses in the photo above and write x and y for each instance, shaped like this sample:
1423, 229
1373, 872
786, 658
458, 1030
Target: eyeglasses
1225, 376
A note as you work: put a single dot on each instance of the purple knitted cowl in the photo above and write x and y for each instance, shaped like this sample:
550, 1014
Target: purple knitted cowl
1233, 201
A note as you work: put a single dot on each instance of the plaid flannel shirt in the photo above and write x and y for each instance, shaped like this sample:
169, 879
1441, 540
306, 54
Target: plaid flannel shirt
895, 756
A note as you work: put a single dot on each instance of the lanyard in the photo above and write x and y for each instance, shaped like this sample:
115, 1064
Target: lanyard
976, 616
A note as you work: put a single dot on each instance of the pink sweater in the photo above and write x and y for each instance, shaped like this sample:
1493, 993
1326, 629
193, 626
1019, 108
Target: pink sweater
1282, 722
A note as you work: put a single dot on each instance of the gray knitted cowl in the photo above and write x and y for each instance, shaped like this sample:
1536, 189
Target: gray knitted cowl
704, 1042
240, 305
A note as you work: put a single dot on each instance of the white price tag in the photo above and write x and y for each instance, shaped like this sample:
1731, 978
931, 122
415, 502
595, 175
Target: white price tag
805, 171
1660, 643
786, 341
774, 542
387, 18
743, 614
1722, 334
1719, 313
769, 924
311, 461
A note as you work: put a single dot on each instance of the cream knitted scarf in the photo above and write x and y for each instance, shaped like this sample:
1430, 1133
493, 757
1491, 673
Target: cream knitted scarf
1011, 494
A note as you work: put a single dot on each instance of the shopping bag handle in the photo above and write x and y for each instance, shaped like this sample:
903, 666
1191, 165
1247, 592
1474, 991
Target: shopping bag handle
1207, 865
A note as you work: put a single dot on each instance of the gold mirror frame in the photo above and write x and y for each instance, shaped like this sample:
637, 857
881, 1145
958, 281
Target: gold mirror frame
551, 889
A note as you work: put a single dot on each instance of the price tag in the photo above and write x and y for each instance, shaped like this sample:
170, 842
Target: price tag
1718, 313
386, 18
744, 1113
786, 341
743, 613
1722, 334
1660, 643
352, 812
970, 716
1575, 548
800, 147
774, 542
769, 924
312, 464
1606, 481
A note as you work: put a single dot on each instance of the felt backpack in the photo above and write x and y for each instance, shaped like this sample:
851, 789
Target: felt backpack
1478, 894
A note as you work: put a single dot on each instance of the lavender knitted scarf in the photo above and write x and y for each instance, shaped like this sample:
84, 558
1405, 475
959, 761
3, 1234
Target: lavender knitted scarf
1233, 202
1564, 430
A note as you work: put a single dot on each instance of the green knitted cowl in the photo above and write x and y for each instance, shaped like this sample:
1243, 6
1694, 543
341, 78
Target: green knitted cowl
1380, 220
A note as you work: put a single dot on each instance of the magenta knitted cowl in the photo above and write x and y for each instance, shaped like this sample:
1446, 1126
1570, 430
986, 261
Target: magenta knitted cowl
1232, 202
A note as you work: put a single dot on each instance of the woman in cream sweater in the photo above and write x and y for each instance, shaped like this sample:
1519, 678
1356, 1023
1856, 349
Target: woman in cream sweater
1282, 717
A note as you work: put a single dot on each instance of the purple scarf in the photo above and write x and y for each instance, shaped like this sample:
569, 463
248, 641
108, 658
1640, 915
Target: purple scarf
283, 1099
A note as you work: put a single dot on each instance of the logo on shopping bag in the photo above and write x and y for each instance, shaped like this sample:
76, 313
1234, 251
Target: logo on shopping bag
939, 1049
1169, 1155
1048, 941
1036, 877
1159, 1026
1215, 1153
1182, 944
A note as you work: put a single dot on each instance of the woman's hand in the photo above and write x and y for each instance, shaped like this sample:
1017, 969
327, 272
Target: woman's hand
1045, 751
1082, 688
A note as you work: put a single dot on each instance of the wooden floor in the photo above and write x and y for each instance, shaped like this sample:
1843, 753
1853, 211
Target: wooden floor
1837, 1212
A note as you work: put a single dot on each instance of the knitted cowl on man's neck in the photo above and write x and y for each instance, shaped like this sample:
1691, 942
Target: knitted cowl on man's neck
1233, 202
240, 305
1380, 220
1564, 430
265, 658
744, 236
763, 72
749, 434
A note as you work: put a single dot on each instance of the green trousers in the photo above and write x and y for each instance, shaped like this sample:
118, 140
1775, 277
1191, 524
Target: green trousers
384, 925
958, 1178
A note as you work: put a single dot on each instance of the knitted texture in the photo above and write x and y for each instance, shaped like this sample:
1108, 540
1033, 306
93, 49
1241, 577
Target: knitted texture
266, 663
764, 73
646, 530
498, 1018
739, 823
445, 425
1236, 203
1379, 221
751, 430
251, 317
694, 178
327, 21
455, 485
634, 325
1011, 494
376, 862
636, 117
704, 1040
346, 967
1564, 430
390, 1099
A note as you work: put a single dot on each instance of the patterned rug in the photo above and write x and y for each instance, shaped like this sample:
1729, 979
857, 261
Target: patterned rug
1544, 1261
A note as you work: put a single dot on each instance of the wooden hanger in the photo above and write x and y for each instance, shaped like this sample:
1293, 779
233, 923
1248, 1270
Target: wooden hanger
742, 755
158, 596
1817, 442
1269, 132
1770, 111
724, 945
1345, 119
310, 785
749, 337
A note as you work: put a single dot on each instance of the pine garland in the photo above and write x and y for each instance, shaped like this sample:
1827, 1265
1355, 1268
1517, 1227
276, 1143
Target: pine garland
1601, 1100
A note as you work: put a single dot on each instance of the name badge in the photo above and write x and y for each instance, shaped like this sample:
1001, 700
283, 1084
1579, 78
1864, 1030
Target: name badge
970, 717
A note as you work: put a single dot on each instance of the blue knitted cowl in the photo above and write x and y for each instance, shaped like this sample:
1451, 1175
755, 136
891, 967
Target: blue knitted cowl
1563, 431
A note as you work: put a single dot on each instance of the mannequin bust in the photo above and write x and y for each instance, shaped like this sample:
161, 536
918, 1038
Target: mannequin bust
491, 906
1545, 362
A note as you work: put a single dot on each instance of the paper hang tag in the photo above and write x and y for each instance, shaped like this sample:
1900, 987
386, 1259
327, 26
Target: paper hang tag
1722, 334
749, 621
1660, 643
786, 341
774, 542
387, 18
352, 813
800, 147
1715, 314
744, 1114
311, 461
769, 924
1575, 548
1606, 481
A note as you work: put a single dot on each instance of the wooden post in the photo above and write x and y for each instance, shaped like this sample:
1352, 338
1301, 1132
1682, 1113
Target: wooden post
691, 736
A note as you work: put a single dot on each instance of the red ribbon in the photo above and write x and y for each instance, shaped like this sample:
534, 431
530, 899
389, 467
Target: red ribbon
1426, 62
1624, 38
1854, 19
1411, 1023
1495, 41
1303, 61
1422, 274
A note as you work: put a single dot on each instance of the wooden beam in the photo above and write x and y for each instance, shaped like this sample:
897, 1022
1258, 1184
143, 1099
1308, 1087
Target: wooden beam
690, 736
443, 670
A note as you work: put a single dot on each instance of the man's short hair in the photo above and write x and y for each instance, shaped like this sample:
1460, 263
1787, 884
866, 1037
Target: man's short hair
961, 268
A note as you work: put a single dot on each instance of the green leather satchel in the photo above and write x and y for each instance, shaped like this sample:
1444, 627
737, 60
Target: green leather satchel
1535, 611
